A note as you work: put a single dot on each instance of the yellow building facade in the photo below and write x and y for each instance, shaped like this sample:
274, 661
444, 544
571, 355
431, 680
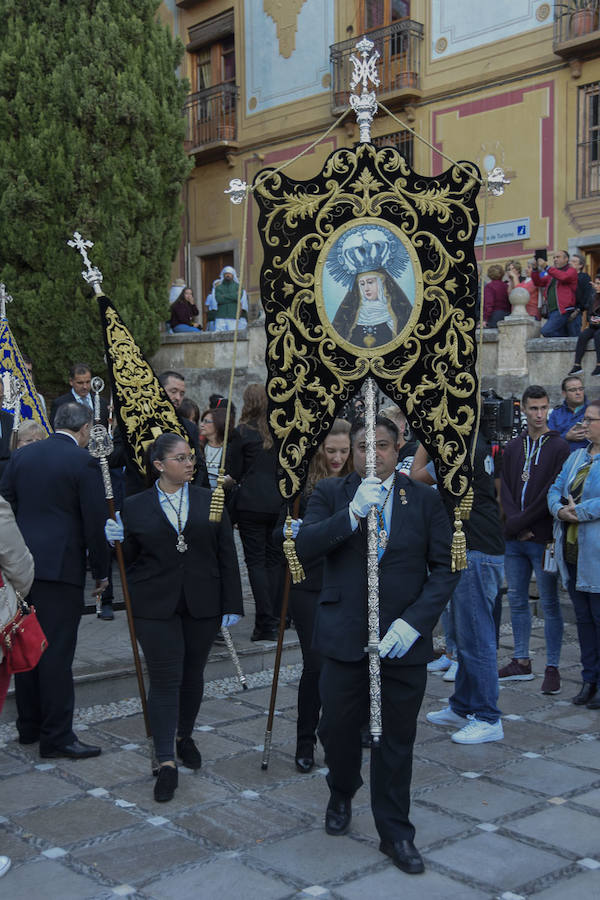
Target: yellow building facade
515, 84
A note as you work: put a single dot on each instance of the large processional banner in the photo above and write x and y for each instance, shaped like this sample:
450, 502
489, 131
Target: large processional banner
369, 270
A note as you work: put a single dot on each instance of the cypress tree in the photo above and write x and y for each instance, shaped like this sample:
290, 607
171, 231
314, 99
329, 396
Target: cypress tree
91, 139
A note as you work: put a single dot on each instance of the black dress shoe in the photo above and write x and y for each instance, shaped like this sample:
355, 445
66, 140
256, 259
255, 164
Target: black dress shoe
338, 814
585, 694
166, 782
305, 758
595, 703
405, 855
106, 613
263, 635
188, 753
76, 750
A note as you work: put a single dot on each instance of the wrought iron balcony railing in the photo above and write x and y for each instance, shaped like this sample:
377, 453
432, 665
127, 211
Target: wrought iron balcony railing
211, 116
399, 65
576, 28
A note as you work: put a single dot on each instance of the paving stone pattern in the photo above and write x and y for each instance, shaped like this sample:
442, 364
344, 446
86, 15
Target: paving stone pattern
514, 819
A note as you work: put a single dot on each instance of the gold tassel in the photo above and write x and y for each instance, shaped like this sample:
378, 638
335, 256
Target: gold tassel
217, 501
289, 548
459, 544
466, 505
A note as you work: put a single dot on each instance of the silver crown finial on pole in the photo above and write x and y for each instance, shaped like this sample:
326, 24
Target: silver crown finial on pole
91, 274
4, 299
365, 103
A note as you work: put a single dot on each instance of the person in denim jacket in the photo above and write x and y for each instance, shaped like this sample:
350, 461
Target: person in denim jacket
574, 501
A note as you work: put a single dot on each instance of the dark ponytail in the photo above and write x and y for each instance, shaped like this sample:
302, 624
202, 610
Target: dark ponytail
159, 449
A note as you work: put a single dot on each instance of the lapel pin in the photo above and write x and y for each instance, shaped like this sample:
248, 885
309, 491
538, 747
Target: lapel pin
403, 499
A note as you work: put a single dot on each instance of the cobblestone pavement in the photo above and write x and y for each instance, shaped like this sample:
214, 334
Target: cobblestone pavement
513, 819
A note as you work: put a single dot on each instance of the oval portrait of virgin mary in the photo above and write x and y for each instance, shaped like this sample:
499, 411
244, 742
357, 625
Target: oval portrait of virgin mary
366, 284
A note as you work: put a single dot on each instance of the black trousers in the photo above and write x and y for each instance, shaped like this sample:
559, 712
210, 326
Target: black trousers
345, 696
304, 610
175, 651
45, 696
265, 563
590, 333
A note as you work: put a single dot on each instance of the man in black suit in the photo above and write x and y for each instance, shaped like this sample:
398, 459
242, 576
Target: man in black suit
415, 583
6, 424
80, 379
55, 488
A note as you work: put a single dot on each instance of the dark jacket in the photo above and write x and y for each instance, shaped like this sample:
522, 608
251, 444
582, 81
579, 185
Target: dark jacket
415, 574
207, 574
56, 491
182, 313
255, 470
134, 483
534, 516
495, 298
6, 423
69, 398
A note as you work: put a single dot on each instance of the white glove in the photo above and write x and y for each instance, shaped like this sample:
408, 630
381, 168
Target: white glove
398, 639
296, 523
229, 619
114, 531
368, 494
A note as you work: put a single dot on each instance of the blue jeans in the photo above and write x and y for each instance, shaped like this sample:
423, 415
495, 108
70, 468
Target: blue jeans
558, 325
472, 610
179, 329
587, 616
521, 558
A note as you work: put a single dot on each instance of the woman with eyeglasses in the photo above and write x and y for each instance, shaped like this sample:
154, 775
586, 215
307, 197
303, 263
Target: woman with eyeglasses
574, 501
184, 582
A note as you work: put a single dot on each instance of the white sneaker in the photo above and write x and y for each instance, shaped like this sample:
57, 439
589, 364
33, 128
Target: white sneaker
445, 716
478, 732
4, 865
450, 675
438, 666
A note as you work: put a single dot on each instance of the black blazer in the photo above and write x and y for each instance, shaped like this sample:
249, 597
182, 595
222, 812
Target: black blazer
415, 574
207, 574
255, 470
6, 422
69, 398
56, 491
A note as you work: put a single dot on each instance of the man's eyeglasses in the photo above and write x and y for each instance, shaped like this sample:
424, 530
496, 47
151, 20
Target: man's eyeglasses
574, 390
587, 420
183, 459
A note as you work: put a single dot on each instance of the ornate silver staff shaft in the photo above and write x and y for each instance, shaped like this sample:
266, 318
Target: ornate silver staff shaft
13, 394
234, 657
372, 573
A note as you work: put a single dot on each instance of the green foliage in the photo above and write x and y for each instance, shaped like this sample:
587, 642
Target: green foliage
92, 141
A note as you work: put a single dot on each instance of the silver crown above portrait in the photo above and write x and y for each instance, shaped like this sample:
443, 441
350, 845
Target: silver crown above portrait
367, 249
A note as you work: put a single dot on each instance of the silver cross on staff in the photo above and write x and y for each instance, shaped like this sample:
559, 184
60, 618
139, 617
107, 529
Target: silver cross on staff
4, 299
92, 274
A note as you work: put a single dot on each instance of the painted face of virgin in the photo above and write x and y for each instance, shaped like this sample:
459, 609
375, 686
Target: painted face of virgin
369, 287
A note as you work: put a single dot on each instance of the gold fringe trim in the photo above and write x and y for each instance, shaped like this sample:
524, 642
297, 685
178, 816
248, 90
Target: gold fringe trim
466, 505
289, 548
217, 501
459, 544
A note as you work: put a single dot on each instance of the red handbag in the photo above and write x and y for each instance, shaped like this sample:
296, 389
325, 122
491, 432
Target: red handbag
22, 639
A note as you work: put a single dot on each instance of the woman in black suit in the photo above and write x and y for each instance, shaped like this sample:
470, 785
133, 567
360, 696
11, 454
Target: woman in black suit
252, 463
332, 460
184, 582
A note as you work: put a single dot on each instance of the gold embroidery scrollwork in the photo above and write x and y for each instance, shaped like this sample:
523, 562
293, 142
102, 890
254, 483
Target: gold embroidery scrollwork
423, 354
